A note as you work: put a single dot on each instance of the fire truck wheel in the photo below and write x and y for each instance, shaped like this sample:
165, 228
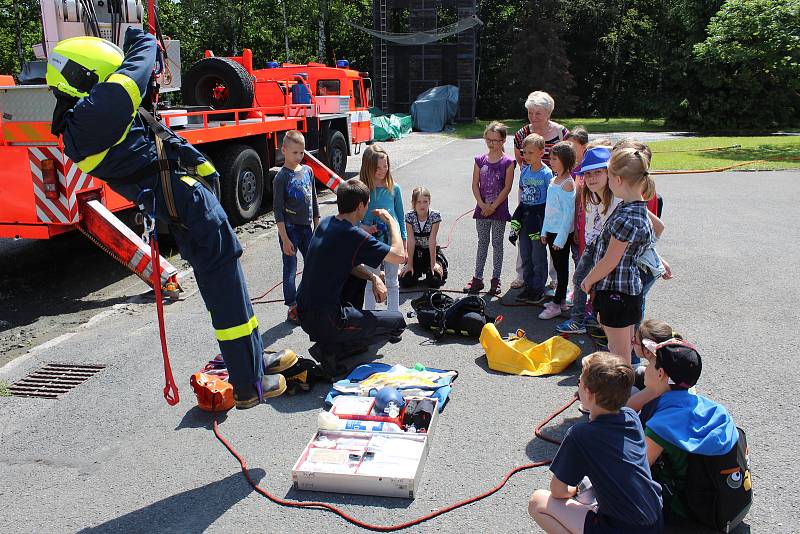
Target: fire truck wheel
336, 152
242, 183
217, 82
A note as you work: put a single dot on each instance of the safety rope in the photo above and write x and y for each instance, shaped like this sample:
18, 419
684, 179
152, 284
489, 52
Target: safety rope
150, 235
399, 526
727, 167
710, 149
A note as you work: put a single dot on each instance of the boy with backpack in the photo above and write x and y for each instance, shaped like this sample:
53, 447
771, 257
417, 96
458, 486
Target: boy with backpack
610, 450
695, 450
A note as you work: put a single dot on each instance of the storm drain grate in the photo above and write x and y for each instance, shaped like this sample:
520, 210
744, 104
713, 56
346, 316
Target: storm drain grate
54, 379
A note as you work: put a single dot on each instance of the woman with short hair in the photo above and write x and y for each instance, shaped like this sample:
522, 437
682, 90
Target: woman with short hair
540, 106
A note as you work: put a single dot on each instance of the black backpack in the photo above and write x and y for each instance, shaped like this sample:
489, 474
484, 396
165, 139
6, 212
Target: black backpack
444, 315
719, 489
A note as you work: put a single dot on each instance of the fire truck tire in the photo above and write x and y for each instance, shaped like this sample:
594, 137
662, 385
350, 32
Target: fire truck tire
335, 155
241, 182
217, 82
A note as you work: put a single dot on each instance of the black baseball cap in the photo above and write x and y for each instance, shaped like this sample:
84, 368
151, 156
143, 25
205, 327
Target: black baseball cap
680, 361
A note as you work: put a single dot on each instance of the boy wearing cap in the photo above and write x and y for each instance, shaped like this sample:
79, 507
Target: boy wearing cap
609, 449
678, 422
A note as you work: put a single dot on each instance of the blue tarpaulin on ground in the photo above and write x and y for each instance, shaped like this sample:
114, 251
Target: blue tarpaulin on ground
435, 108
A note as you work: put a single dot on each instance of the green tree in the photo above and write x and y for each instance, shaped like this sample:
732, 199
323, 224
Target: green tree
20, 23
535, 60
494, 57
751, 58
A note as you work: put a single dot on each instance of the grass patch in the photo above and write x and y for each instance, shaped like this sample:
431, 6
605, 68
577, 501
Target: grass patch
5, 390
782, 151
470, 130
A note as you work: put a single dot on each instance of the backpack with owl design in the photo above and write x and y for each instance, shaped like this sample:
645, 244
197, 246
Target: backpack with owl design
719, 489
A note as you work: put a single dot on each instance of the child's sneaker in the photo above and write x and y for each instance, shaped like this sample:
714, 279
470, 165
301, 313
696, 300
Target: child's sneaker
551, 309
474, 286
518, 283
571, 326
596, 331
291, 315
530, 296
494, 287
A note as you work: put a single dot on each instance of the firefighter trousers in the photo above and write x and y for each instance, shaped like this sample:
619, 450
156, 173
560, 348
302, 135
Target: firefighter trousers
340, 330
206, 240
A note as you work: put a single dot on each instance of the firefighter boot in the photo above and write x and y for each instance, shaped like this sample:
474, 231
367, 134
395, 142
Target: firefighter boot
328, 360
277, 362
270, 386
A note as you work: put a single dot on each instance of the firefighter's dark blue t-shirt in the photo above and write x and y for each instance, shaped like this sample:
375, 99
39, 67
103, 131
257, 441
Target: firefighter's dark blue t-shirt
611, 451
336, 247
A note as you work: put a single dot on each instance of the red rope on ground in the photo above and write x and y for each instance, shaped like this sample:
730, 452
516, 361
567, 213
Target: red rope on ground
453, 226
728, 167
399, 526
257, 300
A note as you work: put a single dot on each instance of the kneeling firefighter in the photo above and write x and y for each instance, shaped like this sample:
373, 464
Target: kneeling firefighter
99, 90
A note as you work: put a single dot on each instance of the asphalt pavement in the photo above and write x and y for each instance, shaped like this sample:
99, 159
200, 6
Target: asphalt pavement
112, 456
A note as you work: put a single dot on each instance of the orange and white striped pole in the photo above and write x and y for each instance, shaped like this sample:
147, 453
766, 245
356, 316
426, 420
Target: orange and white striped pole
322, 173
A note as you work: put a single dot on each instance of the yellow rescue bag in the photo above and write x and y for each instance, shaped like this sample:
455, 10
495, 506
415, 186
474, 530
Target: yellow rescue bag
518, 355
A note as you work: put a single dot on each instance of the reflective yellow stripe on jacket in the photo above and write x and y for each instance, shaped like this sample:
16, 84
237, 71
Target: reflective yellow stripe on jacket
205, 168
236, 332
89, 163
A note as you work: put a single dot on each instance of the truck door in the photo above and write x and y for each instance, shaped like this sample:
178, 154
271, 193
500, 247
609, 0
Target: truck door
368, 92
358, 94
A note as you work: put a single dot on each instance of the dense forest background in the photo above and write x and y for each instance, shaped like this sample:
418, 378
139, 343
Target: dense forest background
701, 64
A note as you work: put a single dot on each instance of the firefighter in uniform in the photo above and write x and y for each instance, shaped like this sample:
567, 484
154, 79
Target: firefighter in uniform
99, 90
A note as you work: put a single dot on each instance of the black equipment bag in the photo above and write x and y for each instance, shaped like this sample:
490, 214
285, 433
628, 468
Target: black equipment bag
444, 315
719, 489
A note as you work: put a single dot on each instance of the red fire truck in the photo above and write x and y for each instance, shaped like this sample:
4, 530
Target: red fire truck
237, 115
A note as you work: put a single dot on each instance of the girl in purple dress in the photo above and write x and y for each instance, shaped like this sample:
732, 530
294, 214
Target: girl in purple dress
492, 178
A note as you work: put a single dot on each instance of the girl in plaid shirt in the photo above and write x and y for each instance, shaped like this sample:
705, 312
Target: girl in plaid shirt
614, 283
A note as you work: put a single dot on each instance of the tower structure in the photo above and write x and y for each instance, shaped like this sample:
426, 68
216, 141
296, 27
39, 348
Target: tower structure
403, 71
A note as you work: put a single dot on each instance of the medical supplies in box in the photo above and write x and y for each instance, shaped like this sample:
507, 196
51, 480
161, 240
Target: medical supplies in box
385, 463
362, 409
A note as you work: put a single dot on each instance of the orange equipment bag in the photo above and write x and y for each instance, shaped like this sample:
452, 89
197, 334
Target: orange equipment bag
214, 394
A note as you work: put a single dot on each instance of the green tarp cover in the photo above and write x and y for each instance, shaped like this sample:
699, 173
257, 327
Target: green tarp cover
385, 127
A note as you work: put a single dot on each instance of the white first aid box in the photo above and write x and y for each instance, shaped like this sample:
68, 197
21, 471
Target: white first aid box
388, 464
